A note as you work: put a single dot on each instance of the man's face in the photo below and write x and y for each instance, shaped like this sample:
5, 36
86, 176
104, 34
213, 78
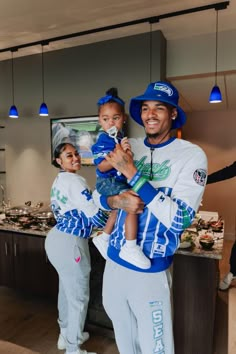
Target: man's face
157, 118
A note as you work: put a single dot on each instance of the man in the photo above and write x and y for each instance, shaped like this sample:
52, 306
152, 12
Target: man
167, 176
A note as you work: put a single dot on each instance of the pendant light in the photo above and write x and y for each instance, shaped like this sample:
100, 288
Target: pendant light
13, 113
43, 110
150, 53
215, 95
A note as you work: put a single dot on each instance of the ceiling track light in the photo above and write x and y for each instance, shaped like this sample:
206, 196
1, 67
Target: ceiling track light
217, 6
43, 109
215, 95
13, 113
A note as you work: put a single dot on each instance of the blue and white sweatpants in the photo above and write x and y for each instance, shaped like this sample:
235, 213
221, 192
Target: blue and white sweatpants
139, 306
71, 258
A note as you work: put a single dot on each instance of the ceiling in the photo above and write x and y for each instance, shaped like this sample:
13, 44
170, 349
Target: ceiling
28, 21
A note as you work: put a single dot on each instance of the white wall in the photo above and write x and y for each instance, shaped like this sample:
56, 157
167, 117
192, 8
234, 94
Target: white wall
214, 132
196, 55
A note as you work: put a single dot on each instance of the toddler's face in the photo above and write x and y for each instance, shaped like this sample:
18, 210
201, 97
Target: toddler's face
110, 115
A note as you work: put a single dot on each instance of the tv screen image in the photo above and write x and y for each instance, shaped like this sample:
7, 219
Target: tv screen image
82, 132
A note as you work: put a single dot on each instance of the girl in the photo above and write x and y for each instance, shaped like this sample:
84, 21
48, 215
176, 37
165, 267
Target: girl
112, 118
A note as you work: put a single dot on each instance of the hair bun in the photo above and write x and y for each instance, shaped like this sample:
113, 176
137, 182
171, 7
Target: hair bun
112, 91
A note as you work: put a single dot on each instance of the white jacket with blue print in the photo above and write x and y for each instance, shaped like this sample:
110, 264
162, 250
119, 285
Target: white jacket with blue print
171, 199
73, 206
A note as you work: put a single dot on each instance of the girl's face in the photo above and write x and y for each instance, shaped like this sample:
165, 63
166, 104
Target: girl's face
110, 114
69, 159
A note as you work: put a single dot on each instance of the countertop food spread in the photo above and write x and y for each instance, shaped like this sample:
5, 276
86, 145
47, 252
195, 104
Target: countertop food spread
191, 240
204, 238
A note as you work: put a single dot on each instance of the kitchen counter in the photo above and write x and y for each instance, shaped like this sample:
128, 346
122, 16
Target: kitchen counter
195, 288
12, 228
196, 251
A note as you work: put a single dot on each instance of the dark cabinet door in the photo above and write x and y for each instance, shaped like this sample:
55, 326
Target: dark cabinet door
6, 259
96, 313
30, 265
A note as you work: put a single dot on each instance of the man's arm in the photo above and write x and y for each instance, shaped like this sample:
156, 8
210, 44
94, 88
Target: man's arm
128, 201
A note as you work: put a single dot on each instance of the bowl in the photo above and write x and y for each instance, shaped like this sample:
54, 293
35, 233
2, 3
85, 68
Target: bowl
207, 242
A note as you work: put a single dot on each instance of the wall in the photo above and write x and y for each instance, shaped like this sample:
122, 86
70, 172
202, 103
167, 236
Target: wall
74, 79
214, 132
196, 55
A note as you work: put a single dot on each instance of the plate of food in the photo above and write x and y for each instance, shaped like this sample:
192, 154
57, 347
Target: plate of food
206, 241
187, 239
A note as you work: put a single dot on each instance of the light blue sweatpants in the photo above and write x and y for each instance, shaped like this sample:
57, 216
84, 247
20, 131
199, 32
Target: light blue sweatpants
139, 306
70, 257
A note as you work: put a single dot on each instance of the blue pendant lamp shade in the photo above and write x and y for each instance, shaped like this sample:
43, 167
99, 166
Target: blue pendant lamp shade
215, 95
13, 113
43, 109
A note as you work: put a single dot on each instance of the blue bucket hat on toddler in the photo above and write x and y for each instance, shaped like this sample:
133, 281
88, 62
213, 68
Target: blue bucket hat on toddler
158, 91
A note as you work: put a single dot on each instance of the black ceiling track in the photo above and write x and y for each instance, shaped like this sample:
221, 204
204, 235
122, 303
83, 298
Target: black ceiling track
154, 19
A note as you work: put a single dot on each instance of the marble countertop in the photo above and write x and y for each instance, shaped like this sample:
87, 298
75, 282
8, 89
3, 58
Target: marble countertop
12, 228
195, 250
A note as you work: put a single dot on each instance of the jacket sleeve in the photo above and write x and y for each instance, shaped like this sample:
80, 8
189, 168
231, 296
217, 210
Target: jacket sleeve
220, 175
85, 205
176, 207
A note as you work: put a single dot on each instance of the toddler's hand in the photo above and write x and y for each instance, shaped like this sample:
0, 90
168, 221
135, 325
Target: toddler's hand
125, 144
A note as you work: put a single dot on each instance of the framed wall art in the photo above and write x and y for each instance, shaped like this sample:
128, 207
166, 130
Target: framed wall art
82, 132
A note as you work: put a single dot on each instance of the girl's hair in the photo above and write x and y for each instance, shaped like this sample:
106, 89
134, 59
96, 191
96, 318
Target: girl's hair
111, 97
57, 152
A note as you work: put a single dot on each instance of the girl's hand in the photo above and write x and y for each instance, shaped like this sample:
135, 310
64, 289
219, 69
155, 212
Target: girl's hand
125, 144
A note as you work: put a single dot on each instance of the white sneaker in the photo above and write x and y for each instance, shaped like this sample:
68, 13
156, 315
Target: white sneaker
225, 283
135, 256
101, 244
80, 351
61, 343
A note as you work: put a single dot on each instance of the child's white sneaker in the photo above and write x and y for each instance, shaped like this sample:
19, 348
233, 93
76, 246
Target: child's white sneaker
61, 343
135, 256
101, 244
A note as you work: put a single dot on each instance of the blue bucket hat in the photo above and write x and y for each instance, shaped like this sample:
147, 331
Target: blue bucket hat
158, 91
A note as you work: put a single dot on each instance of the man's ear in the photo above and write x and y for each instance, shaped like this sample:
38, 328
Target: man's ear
174, 113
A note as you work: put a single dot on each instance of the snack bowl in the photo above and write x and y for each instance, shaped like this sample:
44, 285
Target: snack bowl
206, 241
187, 238
185, 244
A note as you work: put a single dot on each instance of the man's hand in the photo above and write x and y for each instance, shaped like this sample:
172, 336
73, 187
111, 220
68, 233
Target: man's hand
128, 201
122, 161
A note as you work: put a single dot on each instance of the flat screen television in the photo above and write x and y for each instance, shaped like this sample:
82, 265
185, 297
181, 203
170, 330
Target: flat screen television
82, 132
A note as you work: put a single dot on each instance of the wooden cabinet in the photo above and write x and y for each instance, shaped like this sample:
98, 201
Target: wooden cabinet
24, 264
195, 282
96, 313
6, 259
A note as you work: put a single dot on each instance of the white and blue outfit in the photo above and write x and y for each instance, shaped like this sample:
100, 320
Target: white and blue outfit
110, 182
68, 251
137, 300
